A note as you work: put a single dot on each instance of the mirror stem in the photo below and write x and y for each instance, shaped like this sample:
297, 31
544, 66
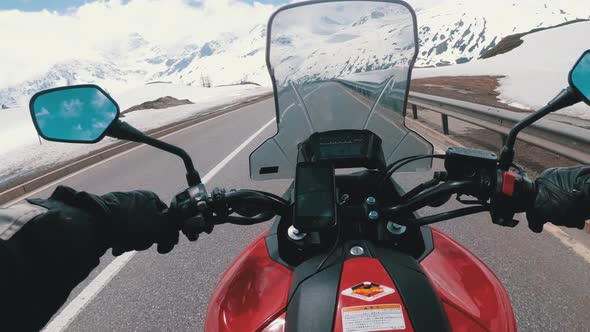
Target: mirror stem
564, 99
123, 130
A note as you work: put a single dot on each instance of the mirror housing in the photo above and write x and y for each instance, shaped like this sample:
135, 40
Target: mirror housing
579, 77
86, 114
73, 114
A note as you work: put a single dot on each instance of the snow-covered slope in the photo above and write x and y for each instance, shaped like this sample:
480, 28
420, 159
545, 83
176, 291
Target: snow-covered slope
231, 58
535, 71
451, 31
458, 31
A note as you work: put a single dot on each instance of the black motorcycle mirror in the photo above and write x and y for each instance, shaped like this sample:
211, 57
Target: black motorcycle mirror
86, 114
579, 90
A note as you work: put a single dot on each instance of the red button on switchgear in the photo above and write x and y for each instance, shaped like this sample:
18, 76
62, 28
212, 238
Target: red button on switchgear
508, 183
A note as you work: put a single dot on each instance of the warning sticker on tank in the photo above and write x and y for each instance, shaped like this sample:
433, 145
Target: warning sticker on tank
368, 291
380, 317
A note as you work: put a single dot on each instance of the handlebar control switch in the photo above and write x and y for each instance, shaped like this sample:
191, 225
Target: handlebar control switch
463, 163
190, 209
514, 194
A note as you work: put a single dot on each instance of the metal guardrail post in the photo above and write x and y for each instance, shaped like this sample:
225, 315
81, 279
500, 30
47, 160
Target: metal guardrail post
414, 112
445, 124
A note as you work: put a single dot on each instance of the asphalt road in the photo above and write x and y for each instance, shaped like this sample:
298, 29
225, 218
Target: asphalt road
546, 281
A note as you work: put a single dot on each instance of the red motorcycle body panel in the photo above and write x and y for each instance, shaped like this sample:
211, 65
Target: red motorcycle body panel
473, 297
252, 294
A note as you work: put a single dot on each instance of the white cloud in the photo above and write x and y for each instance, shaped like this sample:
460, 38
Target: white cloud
99, 100
33, 41
43, 112
71, 108
99, 125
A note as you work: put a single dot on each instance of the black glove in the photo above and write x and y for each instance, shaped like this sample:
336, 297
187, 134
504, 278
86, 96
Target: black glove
134, 220
562, 198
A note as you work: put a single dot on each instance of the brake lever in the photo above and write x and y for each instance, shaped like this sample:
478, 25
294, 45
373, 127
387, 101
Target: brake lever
425, 198
470, 201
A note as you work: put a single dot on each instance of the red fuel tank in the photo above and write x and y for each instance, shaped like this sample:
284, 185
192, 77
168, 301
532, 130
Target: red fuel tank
473, 297
252, 293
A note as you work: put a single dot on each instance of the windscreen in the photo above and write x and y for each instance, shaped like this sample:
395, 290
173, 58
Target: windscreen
339, 65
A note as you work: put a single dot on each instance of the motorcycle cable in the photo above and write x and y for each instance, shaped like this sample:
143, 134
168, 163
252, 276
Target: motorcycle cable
438, 178
390, 166
343, 201
270, 195
403, 162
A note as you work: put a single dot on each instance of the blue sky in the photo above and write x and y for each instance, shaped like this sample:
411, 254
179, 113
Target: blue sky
61, 5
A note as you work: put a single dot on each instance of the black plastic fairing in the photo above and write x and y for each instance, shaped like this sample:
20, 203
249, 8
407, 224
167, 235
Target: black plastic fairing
422, 304
313, 297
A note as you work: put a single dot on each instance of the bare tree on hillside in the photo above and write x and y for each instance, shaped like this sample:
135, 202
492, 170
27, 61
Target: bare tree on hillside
205, 81
244, 79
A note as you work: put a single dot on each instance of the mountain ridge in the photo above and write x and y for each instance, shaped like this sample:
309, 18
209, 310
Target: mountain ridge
451, 32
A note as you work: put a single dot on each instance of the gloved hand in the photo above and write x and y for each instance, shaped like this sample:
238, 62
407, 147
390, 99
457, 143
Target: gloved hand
137, 221
134, 220
562, 198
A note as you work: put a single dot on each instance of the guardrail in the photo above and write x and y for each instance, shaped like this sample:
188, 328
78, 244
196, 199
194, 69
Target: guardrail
563, 139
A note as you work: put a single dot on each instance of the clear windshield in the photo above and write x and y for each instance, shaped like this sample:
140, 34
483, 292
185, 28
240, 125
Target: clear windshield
339, 65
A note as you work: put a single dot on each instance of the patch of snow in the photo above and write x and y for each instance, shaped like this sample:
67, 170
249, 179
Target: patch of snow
535, 72
21, 153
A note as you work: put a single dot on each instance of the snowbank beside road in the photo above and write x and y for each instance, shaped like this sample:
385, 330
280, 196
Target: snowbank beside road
534, 72
197, 95
21, 153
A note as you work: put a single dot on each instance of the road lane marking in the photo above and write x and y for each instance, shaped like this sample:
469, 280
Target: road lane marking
382, 116
568, 241
563, 237
69, 313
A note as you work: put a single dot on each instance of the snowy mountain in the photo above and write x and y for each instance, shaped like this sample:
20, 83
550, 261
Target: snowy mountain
458, 31
450, 32
533, 73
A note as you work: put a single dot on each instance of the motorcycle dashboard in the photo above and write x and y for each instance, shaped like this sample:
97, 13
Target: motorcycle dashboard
344, 149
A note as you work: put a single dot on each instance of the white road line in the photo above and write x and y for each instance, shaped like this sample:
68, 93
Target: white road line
69, 313
568, 241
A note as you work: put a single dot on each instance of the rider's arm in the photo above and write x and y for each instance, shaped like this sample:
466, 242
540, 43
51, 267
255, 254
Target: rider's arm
562, 198
49, 246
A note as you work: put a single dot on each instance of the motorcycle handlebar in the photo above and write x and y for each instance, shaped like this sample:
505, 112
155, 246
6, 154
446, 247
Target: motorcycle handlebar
500, 192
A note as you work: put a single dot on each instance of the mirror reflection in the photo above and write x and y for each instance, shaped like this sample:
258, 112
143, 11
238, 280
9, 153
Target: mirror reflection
581, 76
73, 114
